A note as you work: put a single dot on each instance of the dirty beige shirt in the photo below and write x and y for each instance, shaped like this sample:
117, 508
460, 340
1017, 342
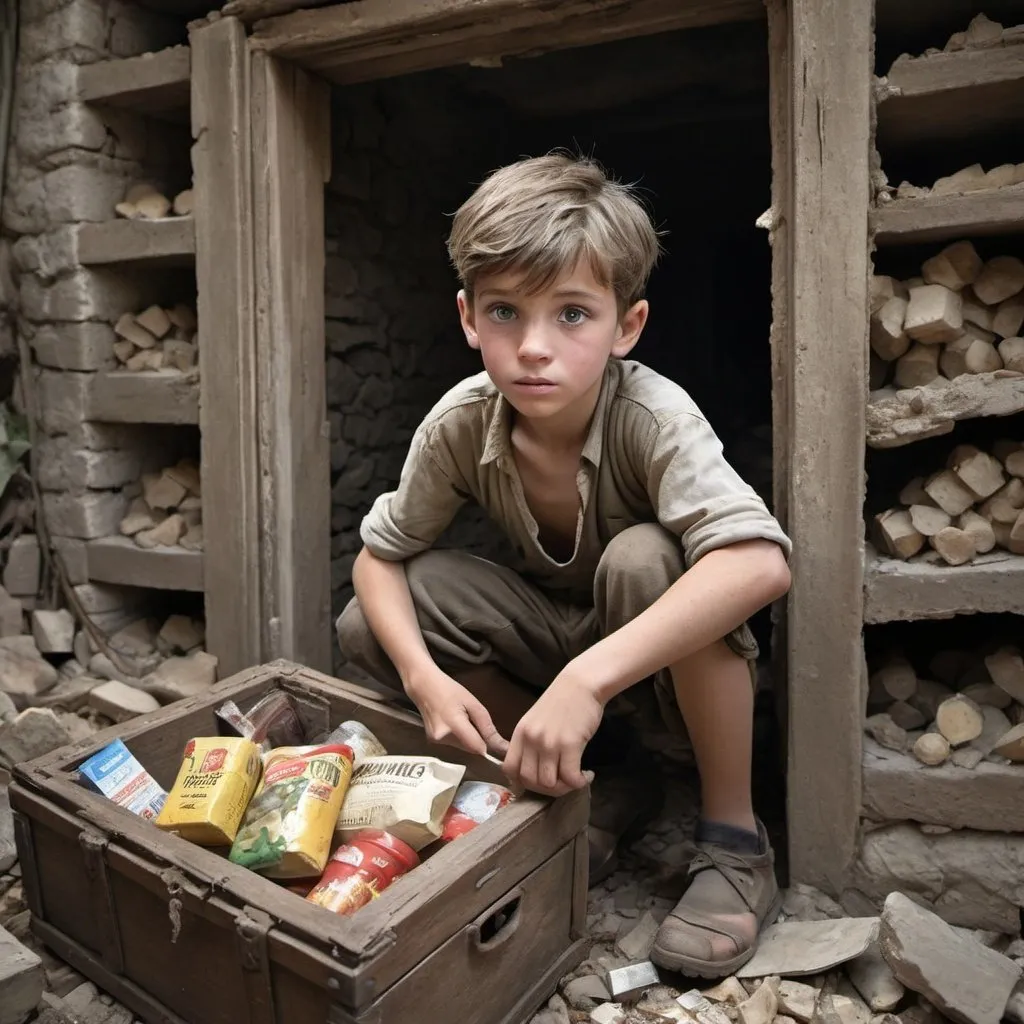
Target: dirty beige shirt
649, 456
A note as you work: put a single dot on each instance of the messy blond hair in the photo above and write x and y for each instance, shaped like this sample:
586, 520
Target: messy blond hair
542, 215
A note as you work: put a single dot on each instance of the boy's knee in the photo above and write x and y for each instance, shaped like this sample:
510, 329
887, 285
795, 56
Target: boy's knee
646, 554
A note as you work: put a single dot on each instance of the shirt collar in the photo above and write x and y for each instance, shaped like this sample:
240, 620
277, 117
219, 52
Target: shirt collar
498, 442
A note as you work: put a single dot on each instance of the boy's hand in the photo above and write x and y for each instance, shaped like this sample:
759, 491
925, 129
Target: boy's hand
452, 715
546, 748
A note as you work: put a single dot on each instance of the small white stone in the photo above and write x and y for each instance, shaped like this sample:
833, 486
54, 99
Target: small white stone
54, 631
119, 702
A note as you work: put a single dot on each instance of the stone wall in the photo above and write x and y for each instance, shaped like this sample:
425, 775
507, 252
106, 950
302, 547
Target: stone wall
68, 163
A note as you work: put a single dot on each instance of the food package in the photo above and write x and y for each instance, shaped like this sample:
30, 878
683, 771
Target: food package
363, 742
215, 783
289, 823
360, 870
406, 796
116, 774
271, 722
474, 803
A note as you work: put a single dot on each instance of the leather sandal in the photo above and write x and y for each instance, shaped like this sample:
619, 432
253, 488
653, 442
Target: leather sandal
723, 884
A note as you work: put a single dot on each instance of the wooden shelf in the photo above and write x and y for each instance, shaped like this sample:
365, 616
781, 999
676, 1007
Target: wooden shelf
907, 591
161, 396
156, 84
121, 560
951, 96
897, 787
898, 417
170, 242
997, 211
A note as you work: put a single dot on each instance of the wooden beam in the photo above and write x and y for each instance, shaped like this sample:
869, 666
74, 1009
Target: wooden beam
831, 52
999, 211
221, 161
121, 560
161, 396
156, 84
291, 155
169, 242
369, 39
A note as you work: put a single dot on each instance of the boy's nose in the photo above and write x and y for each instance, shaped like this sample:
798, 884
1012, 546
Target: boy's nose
533, 345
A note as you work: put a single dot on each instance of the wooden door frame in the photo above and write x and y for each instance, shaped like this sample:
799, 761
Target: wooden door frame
820, 58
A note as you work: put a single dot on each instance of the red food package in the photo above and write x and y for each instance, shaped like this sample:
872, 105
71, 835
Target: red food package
474, 803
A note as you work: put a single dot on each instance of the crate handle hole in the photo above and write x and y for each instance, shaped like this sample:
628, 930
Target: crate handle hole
499, 923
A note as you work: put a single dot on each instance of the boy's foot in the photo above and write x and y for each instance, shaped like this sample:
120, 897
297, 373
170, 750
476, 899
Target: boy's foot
733, 894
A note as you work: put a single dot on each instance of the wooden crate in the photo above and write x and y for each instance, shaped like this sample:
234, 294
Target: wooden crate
182, 936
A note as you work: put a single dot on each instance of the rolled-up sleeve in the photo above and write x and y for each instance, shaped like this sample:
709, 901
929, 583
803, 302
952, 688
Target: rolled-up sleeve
407, 520
697, 495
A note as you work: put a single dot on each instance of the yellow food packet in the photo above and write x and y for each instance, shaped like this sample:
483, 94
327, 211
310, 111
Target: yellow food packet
217, 778
290, 821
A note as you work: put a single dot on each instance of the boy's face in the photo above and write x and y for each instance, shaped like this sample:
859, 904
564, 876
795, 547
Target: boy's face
547, 351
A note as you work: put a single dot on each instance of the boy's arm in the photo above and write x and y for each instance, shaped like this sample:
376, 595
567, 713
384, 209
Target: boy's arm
450, 712
737, 555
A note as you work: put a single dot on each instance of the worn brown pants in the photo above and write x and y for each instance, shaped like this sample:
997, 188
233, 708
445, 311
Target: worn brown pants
473, 612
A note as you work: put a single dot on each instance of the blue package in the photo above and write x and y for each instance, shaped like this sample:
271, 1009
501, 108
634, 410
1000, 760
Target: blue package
116, 774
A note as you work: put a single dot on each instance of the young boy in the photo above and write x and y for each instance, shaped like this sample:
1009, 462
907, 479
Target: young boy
642, 552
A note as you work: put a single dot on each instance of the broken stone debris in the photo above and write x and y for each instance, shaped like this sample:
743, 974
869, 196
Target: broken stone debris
157, 338
168, 511
965, 715
21, 980
971, 507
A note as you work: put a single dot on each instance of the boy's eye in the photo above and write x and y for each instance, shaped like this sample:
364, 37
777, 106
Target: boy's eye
573, 315
502, 313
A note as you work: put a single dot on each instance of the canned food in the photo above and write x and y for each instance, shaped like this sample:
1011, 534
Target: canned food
360, 870
474, 803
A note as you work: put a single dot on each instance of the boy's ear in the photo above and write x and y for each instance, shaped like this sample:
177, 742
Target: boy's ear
467, 317
631, 325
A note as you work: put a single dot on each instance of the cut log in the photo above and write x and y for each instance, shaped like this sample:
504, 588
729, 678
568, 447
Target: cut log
140, 517
979, 529
897, 533
928, 696
162, 491
885, 732
934, 314
124, 350
1011, 745
987, 695
906, 716
968, 179
884, 288
976, 312
155, 320
1012, 491
1015, 541
957, 266
999, 510
180, 354
931, 749
955, 546
953, 360
1001, 278
915, 494
897, 678
996, 726
928, 520
1008, 317
981, 473
887, 336
1011, 351
130, 329
981, 356
959, 720
918, 366
960, 977
1015, 466
153, 207
183, 203
1002, 532
1006, 669
183, 317
949, 493
167, 534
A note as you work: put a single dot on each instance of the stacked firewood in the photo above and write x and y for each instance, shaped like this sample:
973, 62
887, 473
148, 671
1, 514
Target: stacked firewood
157, 339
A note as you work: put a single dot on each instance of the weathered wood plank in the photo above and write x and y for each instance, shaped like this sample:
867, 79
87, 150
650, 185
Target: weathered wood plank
291, 140
832, 50
897, 787
951, 95
161, 396
167, 242
121, 560
898, 417
221, 160
905, 591
380, 38
155, 84
942, 218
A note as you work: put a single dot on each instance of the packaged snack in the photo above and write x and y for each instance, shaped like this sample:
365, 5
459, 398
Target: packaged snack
215, 782
271, 722
406, 796
363, 743
290, 821
116, 774
361, 870
474, 803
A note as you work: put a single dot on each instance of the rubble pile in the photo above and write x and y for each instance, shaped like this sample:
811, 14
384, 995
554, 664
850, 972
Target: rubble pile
971, 711
166, 508
157, 338
972, 506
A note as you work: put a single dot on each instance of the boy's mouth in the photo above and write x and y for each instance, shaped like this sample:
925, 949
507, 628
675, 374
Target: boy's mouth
534, 382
